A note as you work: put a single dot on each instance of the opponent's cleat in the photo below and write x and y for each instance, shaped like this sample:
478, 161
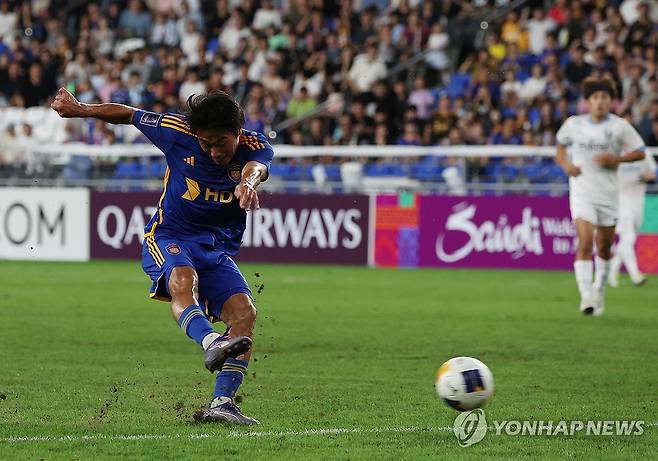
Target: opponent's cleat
222, 348
587, 306
613, 279
599, 305
638, 282
225, 410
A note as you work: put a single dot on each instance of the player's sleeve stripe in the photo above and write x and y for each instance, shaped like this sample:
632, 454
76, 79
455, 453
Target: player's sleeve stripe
175, 127
176, 121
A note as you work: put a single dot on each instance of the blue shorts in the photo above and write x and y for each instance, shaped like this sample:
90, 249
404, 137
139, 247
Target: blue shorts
219, 276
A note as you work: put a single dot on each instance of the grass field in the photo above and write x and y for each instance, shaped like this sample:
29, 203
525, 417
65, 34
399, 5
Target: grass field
345, 360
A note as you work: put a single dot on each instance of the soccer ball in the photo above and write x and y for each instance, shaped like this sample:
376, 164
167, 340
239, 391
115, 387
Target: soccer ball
464, 383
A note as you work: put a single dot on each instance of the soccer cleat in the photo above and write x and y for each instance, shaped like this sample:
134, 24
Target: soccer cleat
223, 409
587, 306
639, 281
599, 305
222, 348
613, 279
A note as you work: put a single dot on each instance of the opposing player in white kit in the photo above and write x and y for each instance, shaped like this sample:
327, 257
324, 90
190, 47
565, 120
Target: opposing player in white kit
632, 178
590, 147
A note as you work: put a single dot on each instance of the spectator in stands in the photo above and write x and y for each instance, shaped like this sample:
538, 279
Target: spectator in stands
301, 104
577, 69
421, 97
366, 70
36, 91
191, 85
362, 124
266, 16
266, 52
135, 21
652, 138
410, 136
437, 59
507, 134
538, 26
440, 122
254, 119
344, 133
534, 86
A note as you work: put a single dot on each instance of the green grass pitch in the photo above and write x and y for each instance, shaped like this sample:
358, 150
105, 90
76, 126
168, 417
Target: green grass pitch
344, 367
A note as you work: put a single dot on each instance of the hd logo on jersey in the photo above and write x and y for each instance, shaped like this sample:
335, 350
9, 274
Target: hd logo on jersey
211, 195
235, 173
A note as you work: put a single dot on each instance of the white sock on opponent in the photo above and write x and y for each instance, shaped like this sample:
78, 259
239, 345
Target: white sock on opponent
602, 269
584, 273
626, 250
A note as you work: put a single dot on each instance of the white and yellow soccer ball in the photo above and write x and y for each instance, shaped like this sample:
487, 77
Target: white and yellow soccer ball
464, 383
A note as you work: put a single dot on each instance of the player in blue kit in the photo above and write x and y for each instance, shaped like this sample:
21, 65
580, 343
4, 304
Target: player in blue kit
213, 170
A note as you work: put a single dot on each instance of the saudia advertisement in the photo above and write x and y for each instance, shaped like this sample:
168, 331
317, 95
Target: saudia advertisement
516, 232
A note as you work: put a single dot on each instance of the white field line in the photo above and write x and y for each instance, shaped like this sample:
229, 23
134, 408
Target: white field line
232, 434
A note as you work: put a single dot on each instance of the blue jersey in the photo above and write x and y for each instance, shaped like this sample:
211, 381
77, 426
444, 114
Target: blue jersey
198, 202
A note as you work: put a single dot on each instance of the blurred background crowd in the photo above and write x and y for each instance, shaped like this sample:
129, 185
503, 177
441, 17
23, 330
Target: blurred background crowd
324, 72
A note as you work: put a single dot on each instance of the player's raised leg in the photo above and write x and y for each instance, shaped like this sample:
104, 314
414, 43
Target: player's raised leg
185, 308
583, 267
239, 314
605, 235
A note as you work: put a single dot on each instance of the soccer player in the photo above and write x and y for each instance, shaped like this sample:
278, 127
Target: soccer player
213, 170
590, 147
632, 178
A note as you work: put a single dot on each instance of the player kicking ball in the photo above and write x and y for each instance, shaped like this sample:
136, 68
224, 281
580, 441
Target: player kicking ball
589, 149
213, 170
633, 178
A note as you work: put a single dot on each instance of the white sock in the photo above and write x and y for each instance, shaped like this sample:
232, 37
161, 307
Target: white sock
602, 269
208, 339
626, 252
219, 401
584, 272
615, 266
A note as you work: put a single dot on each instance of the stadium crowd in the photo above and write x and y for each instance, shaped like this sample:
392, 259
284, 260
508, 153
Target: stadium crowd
405, 72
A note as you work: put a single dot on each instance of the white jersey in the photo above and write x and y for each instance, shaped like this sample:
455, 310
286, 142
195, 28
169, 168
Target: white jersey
630, 176
585, 139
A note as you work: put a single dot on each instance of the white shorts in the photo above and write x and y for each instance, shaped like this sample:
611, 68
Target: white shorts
597, 214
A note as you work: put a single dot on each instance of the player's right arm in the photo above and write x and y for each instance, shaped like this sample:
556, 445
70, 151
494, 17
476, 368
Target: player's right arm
563, 138
67, 106
160, 129
562, 159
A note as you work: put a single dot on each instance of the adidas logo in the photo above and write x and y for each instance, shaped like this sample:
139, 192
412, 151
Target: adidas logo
189, 160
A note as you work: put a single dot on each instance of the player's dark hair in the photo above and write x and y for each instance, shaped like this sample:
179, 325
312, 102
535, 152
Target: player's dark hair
216, 110
592, 84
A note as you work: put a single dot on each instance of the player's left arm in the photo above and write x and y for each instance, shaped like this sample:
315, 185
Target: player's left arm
649, 174
632, 144
253, 174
